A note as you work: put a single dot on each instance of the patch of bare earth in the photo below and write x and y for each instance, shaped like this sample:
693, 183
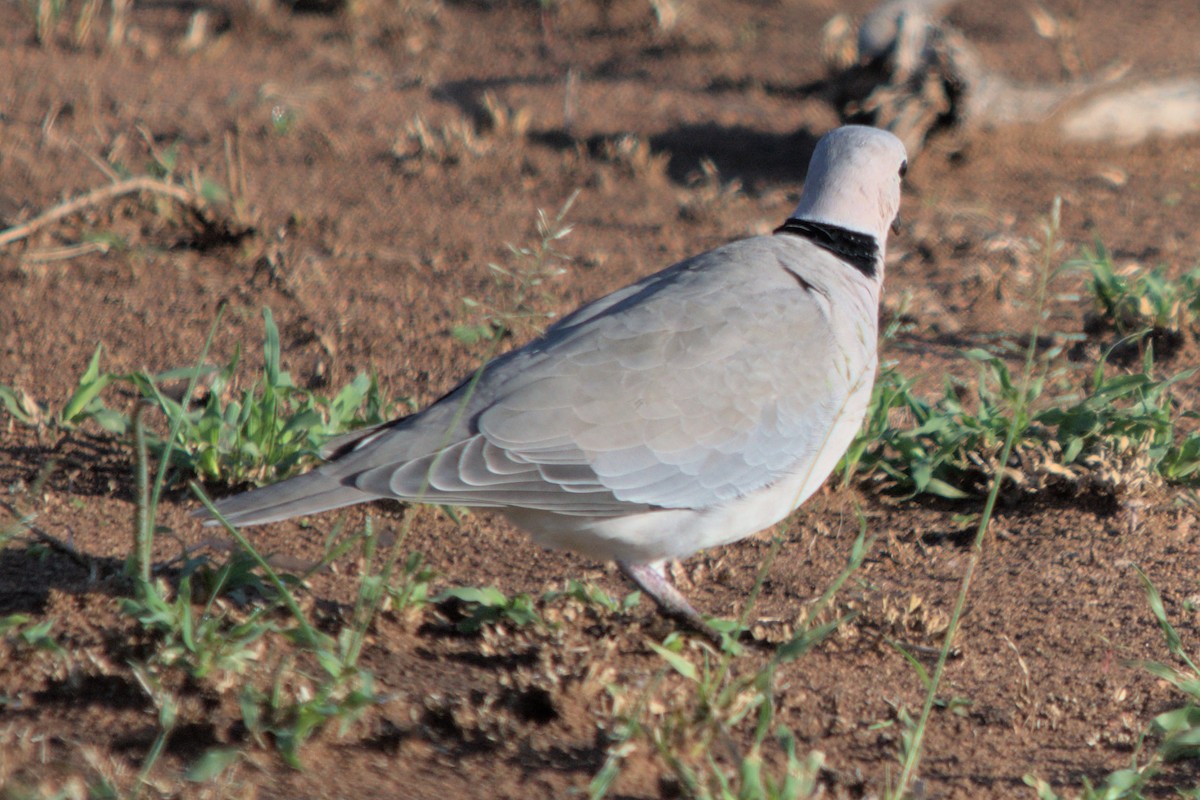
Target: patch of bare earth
363, 238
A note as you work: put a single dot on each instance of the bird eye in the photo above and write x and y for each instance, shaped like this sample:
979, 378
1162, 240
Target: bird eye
903, 168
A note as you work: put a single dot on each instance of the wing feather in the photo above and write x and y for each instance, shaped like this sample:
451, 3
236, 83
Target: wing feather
648, 398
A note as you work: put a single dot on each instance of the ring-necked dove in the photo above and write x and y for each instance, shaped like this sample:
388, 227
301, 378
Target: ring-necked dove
691, 409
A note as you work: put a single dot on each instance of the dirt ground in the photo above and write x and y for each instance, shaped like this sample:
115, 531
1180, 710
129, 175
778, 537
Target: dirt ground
363, 241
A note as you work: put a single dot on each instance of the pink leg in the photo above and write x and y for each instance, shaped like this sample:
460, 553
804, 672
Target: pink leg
671, 602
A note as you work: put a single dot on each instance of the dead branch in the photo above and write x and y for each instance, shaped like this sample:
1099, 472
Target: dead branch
909, 71
144, 183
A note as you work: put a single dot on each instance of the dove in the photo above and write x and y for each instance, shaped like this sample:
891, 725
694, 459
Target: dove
686, 411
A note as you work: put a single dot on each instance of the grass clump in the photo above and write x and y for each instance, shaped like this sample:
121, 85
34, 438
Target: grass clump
1134, 299
480, 606
1121, 430
258, 434
20, 632
266, 431
453, 142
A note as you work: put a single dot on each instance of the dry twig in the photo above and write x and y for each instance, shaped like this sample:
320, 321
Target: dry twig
104, 194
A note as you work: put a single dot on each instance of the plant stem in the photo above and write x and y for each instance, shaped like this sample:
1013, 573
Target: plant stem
913, 755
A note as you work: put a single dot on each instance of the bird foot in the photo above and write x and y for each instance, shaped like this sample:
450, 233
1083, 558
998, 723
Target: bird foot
670, 601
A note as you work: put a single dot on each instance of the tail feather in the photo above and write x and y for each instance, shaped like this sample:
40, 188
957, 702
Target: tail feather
310, 493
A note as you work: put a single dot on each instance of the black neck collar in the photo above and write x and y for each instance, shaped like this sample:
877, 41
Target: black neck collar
859, 250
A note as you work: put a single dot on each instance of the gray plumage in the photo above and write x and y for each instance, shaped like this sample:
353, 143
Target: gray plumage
690, 409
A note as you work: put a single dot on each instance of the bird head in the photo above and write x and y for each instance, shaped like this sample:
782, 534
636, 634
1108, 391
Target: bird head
853, 181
